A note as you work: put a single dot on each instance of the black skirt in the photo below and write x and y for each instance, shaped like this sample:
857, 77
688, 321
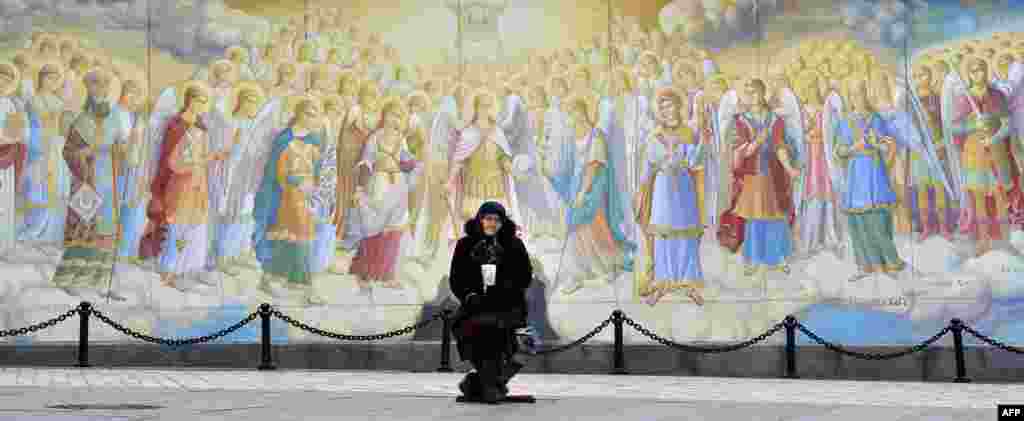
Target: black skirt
487, 334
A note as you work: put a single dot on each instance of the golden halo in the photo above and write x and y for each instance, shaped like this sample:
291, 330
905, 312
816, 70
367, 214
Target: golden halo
556, 79
249, 89
332, 99
234, 49
292, 103
189, 85
16, 78
49, 66
224, 63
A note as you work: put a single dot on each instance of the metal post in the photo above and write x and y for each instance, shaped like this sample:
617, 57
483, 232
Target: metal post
957, 326
446, 342
84, 311
619, 356
266, 363
790, 325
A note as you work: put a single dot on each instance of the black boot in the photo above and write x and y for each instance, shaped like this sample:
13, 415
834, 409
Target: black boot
470, 386
511, 368
489, 375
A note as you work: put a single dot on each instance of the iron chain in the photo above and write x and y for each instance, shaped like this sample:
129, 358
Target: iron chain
343, 337
993, 342
869, 356
593, 332
39, 326
702, 349
177, 341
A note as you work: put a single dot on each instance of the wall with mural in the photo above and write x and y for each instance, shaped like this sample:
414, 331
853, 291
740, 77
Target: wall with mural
707, 166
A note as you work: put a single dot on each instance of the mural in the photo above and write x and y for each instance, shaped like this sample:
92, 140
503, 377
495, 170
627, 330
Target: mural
707, 166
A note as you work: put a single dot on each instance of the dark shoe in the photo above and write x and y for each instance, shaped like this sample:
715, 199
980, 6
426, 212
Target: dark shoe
470, 386
510, 370
492, 395
489, 375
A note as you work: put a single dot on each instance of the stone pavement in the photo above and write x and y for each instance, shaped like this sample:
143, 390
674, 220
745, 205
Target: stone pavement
30, 394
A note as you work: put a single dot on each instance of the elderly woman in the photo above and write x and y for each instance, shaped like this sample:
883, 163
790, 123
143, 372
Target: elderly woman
489, 275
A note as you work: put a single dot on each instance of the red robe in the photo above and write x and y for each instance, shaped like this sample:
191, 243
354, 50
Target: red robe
14, 154
156, 212
748, 165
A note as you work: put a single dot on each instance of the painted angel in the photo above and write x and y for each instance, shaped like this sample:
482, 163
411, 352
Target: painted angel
387, 173
1015, 104
480, 160
433, 216
179, 210
597, 246
916, 126
976, 133
534, 199
14, 132
245, 137
716, 121
818, 187
762, 169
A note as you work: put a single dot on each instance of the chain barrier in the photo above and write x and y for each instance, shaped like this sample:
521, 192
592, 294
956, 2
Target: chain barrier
993, 342
266, 312
702, 349
590, 335
39, 326
867, 355
343, 337
177, 341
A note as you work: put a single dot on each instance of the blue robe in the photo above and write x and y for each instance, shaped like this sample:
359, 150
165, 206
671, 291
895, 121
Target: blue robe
272, 253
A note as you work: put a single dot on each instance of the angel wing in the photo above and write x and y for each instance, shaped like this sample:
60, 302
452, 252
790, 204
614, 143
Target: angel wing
1016, 74
259, 142
441, 129
615, 140
516, 125
221, 130
1016, 100
953, 87
165, 108
909, 126
793, 116
718, 167
832, 109
562, 147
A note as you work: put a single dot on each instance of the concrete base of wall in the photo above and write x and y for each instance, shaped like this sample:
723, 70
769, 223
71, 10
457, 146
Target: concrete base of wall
937, 364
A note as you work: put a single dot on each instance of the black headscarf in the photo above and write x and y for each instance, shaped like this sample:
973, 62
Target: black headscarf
489, 249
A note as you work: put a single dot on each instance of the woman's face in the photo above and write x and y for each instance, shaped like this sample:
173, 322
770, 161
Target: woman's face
490, 224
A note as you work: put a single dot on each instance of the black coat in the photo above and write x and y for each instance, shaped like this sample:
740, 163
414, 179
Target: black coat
512, 278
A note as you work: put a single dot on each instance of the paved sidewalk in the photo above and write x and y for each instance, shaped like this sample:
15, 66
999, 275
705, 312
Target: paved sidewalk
28, 394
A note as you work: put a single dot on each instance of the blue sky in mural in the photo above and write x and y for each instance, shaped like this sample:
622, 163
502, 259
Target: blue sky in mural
861, 327
220, 318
